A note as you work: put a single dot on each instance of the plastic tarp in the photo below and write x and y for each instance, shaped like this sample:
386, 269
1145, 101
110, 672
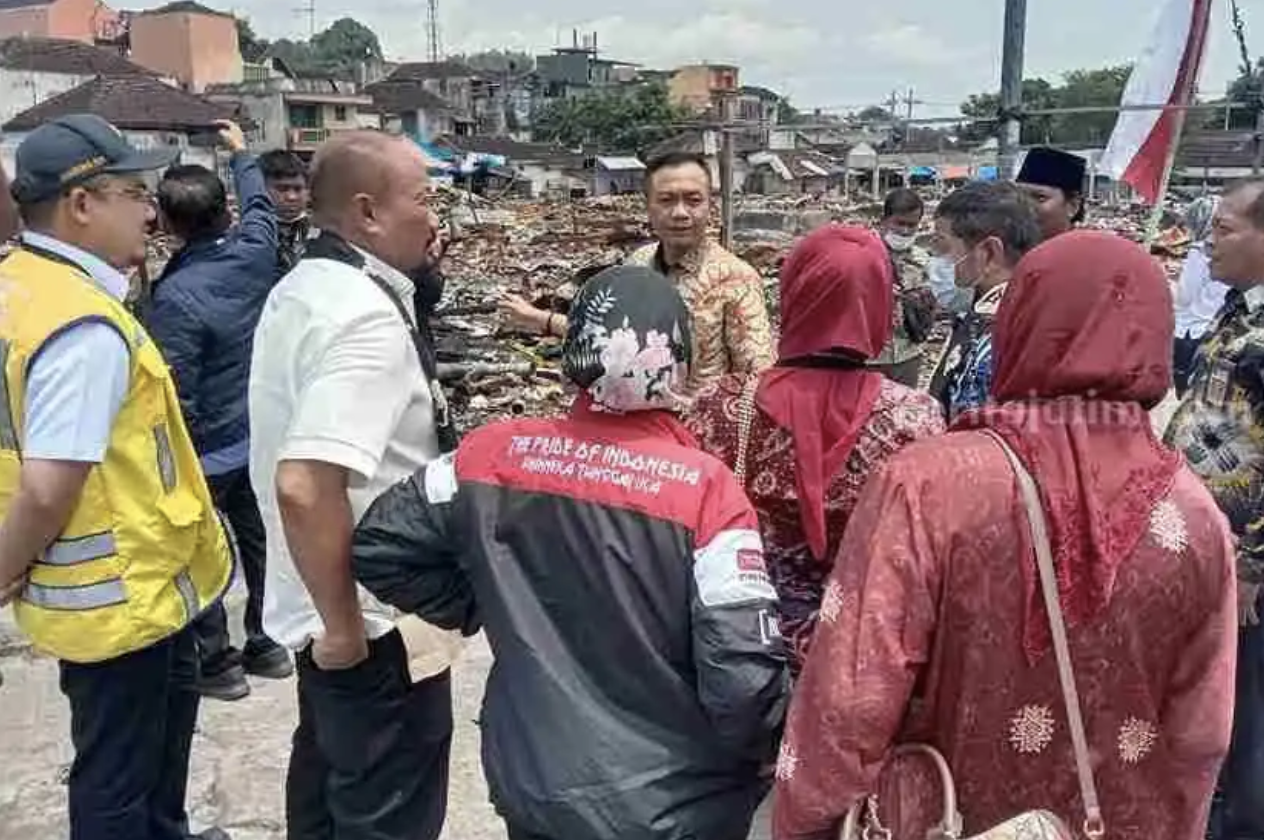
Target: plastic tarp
921, 172
988, 173
955, 173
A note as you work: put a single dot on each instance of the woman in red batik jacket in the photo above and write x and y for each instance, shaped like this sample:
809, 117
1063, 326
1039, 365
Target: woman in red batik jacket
822, 421
939, 634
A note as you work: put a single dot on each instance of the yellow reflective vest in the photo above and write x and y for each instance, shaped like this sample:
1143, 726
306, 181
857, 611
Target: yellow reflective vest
144, 552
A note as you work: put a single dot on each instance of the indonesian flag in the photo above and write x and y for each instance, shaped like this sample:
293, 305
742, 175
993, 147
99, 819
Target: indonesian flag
1166, 73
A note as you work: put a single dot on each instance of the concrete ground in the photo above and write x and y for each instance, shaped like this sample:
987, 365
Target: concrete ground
239, 754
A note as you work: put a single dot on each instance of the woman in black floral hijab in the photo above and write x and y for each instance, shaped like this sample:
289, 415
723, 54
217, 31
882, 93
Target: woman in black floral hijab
628, 343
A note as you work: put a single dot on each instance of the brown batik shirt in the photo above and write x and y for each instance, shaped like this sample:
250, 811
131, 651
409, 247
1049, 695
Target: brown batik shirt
725, 296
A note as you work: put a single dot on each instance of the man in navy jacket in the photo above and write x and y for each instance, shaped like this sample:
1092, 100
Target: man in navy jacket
202, 315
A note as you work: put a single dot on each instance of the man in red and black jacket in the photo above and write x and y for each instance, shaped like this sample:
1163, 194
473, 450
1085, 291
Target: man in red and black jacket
640, 680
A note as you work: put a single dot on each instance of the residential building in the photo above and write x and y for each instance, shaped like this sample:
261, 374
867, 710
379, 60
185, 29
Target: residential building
148, 111
86, 21
293, 111
796, 172
702, 87
579, 69
196, 45
476, 101
34, 69
615, 175
407, 107
542, 169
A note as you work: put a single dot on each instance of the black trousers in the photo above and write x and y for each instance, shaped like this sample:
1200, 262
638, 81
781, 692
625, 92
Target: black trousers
131, 723
235, 497
1237, 810
370, 756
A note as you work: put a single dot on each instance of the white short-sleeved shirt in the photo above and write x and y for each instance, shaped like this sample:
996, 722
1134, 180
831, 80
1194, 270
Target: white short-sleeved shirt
334, 378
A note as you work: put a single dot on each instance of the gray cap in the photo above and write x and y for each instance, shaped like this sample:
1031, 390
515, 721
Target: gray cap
70, 150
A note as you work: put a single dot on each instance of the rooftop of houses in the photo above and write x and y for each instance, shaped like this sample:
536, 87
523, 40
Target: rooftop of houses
420, 70
132, 103
8, 5
187, 7
396, 96
55, 55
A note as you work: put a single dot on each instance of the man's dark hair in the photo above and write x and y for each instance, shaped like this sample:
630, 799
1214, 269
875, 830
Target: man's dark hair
278, 164
194, 202
1256, 211
901, 201
992, 208
673, 159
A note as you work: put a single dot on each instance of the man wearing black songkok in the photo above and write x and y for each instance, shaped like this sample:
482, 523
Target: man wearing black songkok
1055, 181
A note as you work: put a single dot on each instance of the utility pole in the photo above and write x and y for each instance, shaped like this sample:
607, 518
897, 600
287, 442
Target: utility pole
432, 31
1012, 85
909, 102
727, 140
309, 9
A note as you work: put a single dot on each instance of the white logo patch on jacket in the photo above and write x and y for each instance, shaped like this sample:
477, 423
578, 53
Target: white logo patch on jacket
730, 570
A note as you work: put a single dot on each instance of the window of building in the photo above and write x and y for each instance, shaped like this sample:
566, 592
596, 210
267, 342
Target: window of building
340, 113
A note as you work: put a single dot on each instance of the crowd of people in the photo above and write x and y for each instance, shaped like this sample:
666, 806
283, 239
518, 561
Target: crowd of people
925, 525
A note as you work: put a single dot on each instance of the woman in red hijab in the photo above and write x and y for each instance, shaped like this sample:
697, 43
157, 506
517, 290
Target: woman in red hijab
820, 421
941, 636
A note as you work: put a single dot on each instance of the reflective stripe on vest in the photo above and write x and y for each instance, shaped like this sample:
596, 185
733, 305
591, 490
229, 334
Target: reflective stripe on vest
80, 550
188, 594
95, 596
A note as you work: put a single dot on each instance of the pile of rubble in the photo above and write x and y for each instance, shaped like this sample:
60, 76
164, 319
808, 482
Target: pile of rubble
540, 251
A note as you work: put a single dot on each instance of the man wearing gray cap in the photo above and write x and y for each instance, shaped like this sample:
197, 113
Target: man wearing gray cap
110, 546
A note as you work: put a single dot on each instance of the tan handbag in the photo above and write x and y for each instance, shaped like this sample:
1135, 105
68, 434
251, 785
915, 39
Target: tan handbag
1032, 825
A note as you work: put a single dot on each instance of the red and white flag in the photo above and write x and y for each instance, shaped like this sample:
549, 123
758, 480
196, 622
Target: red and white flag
1166, 73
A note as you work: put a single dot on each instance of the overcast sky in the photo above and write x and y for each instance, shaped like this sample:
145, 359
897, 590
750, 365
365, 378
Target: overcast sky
834, 54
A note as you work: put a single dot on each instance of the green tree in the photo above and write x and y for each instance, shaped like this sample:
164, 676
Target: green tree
342, 47
623, 121
1247, 88
1089, 88
251, 45
1079, 89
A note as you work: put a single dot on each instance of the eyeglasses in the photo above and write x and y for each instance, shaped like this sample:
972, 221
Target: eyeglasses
139, 193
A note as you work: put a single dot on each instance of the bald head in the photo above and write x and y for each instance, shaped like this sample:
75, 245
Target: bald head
371, 188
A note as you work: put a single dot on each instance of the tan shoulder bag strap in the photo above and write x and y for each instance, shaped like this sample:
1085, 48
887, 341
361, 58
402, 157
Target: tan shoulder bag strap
745, 420
1094, 826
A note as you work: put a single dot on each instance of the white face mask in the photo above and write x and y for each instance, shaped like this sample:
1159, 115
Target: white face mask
899, 241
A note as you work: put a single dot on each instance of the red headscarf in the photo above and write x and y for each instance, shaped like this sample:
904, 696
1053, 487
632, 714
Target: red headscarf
1083, 348
836, 294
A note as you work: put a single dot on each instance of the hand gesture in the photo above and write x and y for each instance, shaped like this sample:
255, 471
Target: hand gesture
231, 135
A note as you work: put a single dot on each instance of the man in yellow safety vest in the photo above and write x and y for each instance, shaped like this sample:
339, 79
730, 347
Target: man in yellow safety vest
109, 545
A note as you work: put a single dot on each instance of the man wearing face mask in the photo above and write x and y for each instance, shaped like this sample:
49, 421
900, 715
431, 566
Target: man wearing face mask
982, 231
914, 311
1054, 181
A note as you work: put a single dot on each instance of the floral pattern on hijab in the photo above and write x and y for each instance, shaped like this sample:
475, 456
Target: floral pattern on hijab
628, 344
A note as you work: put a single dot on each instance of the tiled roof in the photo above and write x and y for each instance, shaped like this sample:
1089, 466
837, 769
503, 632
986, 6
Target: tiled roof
55, 55
6, 5
132, 103
394, 96
417, 70
186, 6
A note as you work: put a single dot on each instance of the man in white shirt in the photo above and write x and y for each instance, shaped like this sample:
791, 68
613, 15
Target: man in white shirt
340, 410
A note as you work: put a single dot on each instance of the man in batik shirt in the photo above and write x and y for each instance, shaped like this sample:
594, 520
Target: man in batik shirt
982, 231
725, 296
1220, 428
